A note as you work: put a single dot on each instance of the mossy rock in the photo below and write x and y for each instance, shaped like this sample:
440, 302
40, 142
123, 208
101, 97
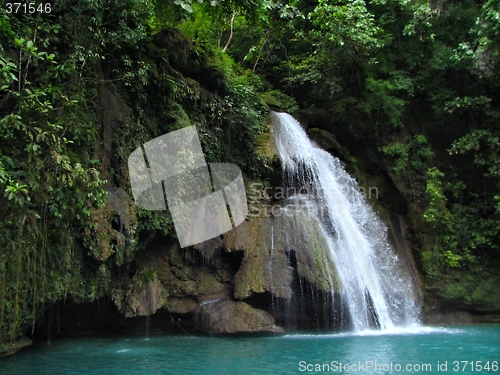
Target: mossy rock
180, 305
277, 101
265, 144
250, 237
143, 296
180, 273
470, 293
327, 142
179, 117
314, 262
267, 249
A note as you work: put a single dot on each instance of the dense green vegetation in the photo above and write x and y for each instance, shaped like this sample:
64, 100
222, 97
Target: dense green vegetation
409, 87
82, 87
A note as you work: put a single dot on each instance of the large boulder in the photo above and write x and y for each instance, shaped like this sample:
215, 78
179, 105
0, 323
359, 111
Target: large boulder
222, 316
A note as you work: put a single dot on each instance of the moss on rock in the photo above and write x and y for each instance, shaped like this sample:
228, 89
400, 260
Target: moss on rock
143, 296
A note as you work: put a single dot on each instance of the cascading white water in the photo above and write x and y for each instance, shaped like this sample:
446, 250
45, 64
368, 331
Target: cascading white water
375, 286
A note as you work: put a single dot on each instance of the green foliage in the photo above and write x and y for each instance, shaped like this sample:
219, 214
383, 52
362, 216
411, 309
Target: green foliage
343, 34
82, 87
483, 52
345, 23
401, 151
461, 236
412, 157
436, 211
380, 98
65, 79
47, 176
485, 145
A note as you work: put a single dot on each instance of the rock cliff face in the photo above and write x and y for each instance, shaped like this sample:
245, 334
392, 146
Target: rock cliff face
272, 270
263, 257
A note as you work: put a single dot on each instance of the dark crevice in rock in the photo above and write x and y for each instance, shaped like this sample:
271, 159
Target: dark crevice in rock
233, 260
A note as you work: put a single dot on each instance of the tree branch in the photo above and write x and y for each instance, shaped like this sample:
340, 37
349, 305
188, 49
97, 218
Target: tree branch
231, 32
260, 50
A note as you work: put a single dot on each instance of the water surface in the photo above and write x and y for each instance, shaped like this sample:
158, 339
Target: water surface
290, 354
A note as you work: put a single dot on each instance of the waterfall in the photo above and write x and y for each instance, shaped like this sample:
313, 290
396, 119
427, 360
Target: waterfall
377, 289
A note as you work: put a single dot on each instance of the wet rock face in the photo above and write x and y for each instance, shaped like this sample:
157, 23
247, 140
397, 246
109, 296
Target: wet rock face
277, 244
173, 278
227, 316
142, 298
300, 231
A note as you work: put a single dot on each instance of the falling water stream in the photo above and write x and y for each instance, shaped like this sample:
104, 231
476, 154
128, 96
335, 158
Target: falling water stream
376, 288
